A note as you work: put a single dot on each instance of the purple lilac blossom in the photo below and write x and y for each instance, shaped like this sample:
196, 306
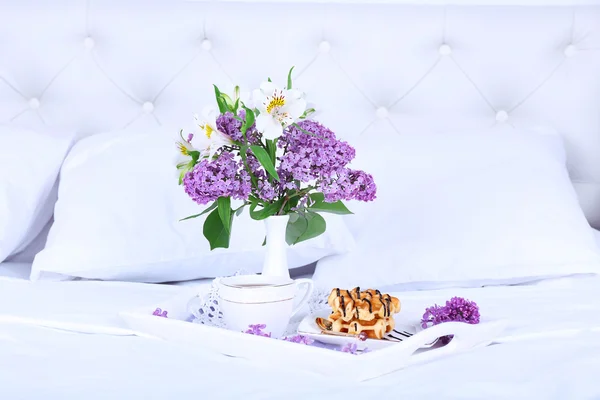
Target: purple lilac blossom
265, 190
232, 127
299, 339
456, 309
315, 154
351, 348
348, 184
160, 313
257, 329
222, 177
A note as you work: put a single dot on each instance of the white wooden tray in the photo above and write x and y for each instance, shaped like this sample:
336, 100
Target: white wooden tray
269, 351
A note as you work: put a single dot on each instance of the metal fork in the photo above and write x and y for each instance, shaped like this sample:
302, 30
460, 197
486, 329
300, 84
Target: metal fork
403, 335
397, 336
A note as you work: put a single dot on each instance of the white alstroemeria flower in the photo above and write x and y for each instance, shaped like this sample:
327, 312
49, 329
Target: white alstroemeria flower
210, 139
279, 108
183, 158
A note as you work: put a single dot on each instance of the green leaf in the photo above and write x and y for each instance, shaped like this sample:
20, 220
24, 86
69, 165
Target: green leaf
195, 156
220, 102
182, 175
292, 203
304, 227
269, 79
224, 208
235, 108
267, 211
228, 101
265, 160
215, 232
289, 83
249, 120
272, 149
307, 112
264, 241
239, 211
319, 204
209, 209
295, 228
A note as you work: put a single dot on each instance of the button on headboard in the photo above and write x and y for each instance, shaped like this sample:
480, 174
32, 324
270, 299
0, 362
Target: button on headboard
372, 70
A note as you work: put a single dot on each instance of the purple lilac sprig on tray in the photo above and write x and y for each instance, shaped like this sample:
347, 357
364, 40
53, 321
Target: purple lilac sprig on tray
456, 309
299, 339
257, 329
160, 313
351, 348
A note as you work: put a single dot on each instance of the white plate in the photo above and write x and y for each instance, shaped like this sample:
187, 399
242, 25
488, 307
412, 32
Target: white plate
308, 327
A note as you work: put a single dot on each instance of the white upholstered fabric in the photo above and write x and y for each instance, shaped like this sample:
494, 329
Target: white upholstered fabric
373, 70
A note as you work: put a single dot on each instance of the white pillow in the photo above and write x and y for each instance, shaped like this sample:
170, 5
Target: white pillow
29, 165
467, 209
117, 218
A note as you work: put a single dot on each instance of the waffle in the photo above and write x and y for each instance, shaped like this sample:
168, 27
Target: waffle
356, 311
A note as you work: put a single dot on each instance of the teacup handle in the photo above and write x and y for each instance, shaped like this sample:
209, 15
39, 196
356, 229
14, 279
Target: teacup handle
309, 290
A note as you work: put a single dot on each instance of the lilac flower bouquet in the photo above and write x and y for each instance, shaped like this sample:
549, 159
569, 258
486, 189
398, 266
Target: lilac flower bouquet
272, 157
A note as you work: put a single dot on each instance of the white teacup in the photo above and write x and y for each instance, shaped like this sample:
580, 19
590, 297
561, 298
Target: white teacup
257, 299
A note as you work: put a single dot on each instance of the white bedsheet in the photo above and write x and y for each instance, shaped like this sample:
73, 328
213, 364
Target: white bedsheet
551, 351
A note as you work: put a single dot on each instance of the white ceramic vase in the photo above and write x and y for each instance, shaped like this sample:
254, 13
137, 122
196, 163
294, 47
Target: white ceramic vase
275, 263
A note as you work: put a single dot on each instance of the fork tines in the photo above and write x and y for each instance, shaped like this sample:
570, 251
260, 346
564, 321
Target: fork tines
403, 335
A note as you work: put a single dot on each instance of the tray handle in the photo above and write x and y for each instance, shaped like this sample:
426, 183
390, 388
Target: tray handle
466, 337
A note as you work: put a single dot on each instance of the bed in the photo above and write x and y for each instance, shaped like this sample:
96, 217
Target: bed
63, 339
95, 67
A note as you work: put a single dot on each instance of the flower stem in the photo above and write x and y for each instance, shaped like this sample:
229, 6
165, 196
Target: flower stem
242, 206
301, 192
283, 205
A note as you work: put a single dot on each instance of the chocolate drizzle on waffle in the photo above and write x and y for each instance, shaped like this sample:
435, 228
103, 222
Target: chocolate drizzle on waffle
368, 311
370, 305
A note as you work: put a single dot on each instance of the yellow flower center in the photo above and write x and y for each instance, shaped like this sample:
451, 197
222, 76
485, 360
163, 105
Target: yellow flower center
208, 130
183, 149
276, 102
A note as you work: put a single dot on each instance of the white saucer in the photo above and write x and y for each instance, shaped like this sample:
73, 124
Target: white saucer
308, 327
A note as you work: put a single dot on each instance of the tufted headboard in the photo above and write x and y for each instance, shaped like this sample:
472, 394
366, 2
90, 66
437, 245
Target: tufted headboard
373, 68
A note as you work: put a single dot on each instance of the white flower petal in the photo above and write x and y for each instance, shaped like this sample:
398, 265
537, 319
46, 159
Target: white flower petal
259, 100
294, 94
294, 108
268, 126
261, 121
268, 88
